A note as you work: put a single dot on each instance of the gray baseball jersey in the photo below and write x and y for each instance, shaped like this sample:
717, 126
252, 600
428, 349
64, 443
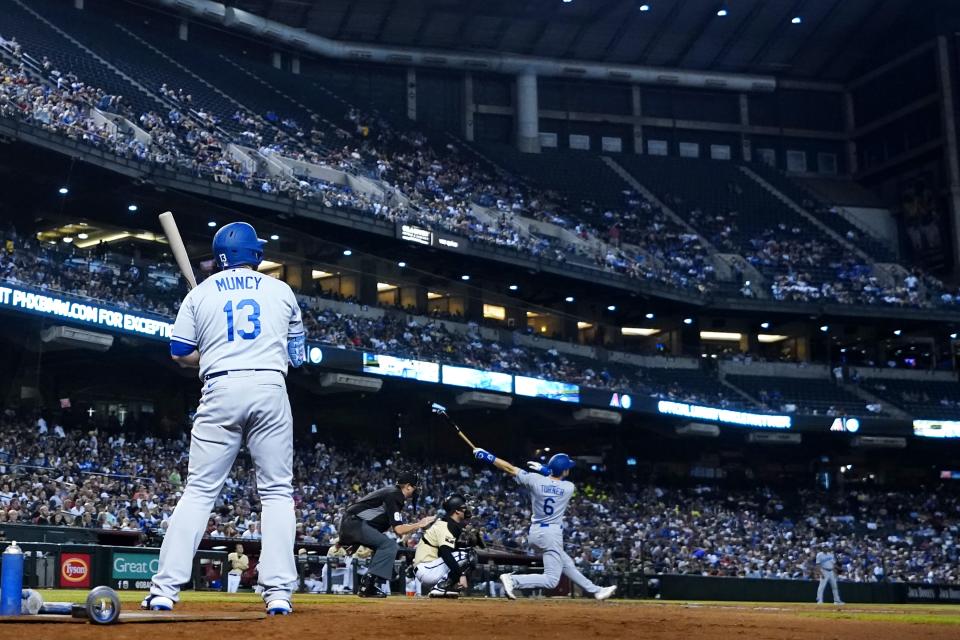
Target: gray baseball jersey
826, 560
239, 319
549, 497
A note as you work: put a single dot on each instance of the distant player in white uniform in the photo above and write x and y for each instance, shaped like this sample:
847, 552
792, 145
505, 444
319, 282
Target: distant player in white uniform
241, 329
826, 563
550, 493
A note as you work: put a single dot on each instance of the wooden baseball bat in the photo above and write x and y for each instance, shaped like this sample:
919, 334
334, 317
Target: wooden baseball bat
176, 246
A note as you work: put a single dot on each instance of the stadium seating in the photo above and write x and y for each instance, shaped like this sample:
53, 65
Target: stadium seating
926, 399
806, 395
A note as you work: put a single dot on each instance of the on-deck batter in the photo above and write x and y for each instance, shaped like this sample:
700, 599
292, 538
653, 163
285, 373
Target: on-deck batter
242, 329
550, 493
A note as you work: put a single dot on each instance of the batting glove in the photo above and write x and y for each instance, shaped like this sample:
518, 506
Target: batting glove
536, 467
483, 455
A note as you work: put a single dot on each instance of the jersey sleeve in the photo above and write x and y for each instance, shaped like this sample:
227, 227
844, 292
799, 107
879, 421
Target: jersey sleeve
185, 326
394, 510
295, 329
525, 478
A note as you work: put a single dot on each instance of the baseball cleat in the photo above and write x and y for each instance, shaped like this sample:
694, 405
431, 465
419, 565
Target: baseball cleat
279, 608
157, 603
507, 580
437, 592
605, 592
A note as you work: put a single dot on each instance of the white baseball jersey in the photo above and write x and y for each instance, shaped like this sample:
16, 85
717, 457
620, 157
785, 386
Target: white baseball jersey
239, 319
826, 560
548, 496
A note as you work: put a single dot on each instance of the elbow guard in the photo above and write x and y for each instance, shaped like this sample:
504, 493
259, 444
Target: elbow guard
297, 350
180, 349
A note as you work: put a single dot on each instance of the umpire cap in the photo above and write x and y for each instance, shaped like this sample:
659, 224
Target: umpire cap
408, 477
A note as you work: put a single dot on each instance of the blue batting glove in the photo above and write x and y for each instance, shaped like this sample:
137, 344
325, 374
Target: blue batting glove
483, 455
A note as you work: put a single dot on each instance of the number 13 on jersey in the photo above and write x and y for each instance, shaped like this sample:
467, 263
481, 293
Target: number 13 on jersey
250, 330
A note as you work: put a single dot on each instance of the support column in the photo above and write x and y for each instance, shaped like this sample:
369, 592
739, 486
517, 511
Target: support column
295, 65
183, 30
637, 114
947, 112
412, 93
277, 60
469, 107
746, 144
527, 113
297, 275
367, 282
850, 124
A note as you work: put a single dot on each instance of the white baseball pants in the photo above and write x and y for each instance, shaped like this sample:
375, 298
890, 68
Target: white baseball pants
825, 577
549, 541
431, 573
243, 404
233, 582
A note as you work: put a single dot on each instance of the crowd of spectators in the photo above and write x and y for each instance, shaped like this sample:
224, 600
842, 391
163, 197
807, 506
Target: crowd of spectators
441, 186
131, 482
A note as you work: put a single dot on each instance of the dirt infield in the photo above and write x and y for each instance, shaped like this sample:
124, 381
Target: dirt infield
350, 618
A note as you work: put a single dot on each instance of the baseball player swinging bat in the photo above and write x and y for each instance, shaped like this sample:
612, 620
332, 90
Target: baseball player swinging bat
177, 247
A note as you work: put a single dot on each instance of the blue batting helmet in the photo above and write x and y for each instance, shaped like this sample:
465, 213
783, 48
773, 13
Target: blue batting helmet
236, 244
559, 463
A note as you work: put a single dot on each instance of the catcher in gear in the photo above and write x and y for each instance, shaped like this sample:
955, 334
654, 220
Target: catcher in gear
441, 559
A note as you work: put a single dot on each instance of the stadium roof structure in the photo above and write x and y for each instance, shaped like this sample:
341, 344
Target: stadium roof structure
828, 40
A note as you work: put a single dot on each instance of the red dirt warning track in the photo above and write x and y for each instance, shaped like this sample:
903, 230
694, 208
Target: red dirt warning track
348, 618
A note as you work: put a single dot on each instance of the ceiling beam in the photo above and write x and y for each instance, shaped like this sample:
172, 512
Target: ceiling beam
344, 19
742, 28
852, 43
675, 11
775, 34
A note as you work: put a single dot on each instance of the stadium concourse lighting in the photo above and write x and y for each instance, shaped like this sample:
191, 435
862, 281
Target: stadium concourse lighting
897, 332
132, 207
764, 325
644, 7
347, 252
274, 237
722, 11
68, 239
796, 20
464, 277
401, 264
953, 336
513, 287
82, 236
824, 328
649, 316
688, 321
569, 298
211, 224
63, 191
612, 307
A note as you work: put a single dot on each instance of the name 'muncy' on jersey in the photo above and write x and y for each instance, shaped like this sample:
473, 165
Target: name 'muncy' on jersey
239, 319
549, 497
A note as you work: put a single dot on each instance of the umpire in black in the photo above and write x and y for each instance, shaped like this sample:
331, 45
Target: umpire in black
365, 522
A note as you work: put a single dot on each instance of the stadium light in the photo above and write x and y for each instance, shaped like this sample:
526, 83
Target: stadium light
723, 11
513, 287
764, 325
953, 336
649, 316
132, 208
644, 7
569, 298
82, 236
464, 277
824, 328
274, 237
611, 307
897, 332
63, 191
688, 321
211, 224
401, 264
796, 20
68, 239
347, 252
